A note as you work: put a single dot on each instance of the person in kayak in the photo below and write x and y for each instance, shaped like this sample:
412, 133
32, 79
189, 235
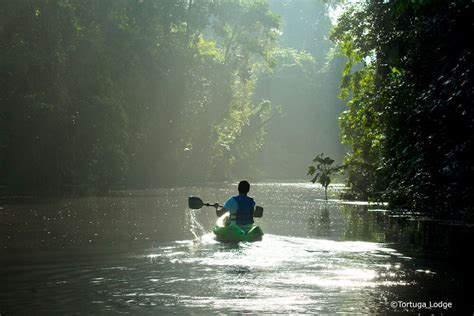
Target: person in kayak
240, 207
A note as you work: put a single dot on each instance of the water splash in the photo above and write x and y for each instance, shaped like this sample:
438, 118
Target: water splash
194, 226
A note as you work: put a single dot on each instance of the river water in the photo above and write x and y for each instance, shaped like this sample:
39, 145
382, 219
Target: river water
145, 252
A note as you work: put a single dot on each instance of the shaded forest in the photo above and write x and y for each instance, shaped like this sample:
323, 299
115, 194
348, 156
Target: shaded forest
408, 84
101, 95
121, 94
106, 94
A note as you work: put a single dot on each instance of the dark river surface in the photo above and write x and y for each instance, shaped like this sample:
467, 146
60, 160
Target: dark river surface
145, 252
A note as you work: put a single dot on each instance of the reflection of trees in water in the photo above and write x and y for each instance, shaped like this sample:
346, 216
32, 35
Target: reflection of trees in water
416, 234
360, 224
413, 234
319, 222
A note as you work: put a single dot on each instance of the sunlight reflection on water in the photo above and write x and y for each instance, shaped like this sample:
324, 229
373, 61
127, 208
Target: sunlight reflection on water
281, 274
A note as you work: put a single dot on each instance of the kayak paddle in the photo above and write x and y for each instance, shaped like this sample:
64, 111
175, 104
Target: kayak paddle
196, 203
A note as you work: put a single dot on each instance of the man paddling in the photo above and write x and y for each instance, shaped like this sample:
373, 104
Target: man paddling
240, 207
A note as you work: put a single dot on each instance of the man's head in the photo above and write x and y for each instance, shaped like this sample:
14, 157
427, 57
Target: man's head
244, 187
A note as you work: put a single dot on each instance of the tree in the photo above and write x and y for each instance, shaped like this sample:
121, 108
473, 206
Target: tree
109, 94
408, 82
323, 171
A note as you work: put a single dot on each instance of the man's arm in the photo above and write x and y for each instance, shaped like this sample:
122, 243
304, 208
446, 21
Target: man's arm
222, 211
228, 205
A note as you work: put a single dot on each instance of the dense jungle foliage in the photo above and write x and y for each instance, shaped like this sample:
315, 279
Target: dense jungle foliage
112, 93
409, 89
109, 94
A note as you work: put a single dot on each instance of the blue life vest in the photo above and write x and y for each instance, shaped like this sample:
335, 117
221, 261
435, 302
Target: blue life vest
244, 214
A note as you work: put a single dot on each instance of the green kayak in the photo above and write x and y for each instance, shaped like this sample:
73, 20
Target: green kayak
226, 232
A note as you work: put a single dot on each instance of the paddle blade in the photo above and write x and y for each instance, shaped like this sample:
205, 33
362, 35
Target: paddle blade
258, 212
195, 202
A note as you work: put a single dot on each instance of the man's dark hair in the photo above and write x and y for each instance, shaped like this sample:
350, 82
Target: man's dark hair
244, 187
